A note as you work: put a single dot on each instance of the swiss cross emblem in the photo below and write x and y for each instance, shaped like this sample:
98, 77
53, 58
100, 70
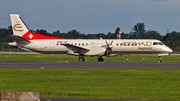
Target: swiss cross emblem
30, 36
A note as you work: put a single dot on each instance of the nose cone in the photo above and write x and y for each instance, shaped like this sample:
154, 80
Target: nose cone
169, 50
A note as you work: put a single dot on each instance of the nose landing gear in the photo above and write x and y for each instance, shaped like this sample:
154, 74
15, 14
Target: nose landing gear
159, 60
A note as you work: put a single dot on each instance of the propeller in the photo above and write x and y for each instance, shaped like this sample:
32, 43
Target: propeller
109, 48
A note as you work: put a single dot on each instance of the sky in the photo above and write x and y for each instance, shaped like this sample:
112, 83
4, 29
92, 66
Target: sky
93, 16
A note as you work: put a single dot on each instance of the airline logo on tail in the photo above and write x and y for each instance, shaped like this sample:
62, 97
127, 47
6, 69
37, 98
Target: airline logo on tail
18, 27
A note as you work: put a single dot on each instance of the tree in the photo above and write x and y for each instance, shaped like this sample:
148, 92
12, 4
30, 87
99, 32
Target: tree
56, 33
151, 34
5, 33
42, 31
74, 33
172, 40
139, 30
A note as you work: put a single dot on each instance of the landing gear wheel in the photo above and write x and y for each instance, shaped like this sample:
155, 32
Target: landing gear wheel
160, 60
100, 59
127, 58
81, 59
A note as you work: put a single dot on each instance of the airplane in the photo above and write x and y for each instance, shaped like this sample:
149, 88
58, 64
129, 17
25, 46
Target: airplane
26, 39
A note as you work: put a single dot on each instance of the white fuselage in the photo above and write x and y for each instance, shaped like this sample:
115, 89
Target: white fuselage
98, 46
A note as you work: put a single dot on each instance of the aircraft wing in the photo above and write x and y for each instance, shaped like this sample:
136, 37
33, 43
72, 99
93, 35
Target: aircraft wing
76, 49
19, 39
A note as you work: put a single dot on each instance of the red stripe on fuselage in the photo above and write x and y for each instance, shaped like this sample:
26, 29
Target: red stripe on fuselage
34, 36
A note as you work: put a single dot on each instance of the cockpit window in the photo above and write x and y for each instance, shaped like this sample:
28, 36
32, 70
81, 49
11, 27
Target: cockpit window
158, 43
155, 43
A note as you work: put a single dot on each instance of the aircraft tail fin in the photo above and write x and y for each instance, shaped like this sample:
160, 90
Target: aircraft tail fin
21, 33
18, 26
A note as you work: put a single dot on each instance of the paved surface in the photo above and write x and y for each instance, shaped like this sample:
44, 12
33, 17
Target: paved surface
85, 65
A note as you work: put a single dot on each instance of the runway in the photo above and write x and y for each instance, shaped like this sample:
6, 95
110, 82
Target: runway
87, 65
84, 65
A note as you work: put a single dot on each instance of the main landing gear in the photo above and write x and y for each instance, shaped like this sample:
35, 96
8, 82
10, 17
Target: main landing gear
81, 58
100, 59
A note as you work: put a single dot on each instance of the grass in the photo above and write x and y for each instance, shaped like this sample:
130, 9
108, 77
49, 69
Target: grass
125, 84
63, 57
128, 84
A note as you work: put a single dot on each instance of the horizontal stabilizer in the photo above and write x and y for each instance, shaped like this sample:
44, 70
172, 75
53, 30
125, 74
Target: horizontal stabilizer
19, 39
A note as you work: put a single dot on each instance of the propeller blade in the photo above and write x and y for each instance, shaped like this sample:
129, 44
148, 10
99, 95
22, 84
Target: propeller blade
107, 42
111, 42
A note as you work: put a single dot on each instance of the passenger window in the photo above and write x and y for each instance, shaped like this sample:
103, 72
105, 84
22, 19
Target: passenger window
117, 44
